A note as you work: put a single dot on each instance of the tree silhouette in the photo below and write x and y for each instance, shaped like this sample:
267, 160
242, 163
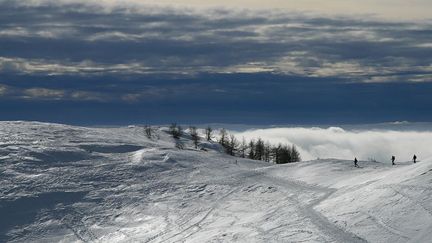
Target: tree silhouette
194, 135
209, 133
175, 130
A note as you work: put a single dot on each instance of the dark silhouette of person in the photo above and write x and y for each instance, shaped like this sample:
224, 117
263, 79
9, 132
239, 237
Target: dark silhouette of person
393, 160
415, 159
355, 162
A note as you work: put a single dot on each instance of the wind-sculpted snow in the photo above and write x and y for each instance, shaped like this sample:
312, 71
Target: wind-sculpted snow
73, 184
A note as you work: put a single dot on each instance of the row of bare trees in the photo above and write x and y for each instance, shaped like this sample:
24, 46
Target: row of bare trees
256, 149
177, 131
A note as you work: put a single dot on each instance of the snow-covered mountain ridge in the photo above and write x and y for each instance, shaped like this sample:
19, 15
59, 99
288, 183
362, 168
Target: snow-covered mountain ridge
62, 183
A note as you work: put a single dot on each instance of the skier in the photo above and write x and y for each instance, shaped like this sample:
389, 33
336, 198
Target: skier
355, 162
393, 160
415, 159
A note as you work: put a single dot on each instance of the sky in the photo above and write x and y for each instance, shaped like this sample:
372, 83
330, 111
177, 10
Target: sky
189, 61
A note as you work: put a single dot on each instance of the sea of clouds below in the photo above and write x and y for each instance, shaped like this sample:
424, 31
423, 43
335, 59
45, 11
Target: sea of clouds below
349, 142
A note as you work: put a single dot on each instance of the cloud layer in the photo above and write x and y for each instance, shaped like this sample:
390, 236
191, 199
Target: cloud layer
335, 142
103, 59
74, 37
390, 10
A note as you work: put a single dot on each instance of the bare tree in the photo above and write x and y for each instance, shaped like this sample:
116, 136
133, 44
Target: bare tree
295, 155
276, 153
223, 139
148, 131
209, 133
267, 151
251, 149
175, 130
242, 148
259, 149
232, 145
194, 135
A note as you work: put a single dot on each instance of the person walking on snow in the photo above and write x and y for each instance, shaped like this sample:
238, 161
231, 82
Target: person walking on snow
415, 159
355, 162
393, 160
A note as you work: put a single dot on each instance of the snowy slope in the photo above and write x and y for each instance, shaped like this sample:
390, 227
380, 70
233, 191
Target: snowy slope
72, 184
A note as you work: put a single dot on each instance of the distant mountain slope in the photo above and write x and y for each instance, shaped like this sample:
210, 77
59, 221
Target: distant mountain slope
75, 184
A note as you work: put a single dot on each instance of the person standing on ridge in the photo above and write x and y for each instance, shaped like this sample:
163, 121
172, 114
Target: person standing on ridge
393, 160
355, 162
415, 159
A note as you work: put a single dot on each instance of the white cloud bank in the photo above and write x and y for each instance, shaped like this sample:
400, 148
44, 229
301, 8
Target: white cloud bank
335, 142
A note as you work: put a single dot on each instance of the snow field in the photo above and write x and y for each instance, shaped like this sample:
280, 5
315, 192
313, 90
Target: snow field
74, 184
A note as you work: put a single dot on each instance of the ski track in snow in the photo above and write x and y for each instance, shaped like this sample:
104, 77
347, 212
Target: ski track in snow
429, 211
386, 226
75, 184
337, 234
